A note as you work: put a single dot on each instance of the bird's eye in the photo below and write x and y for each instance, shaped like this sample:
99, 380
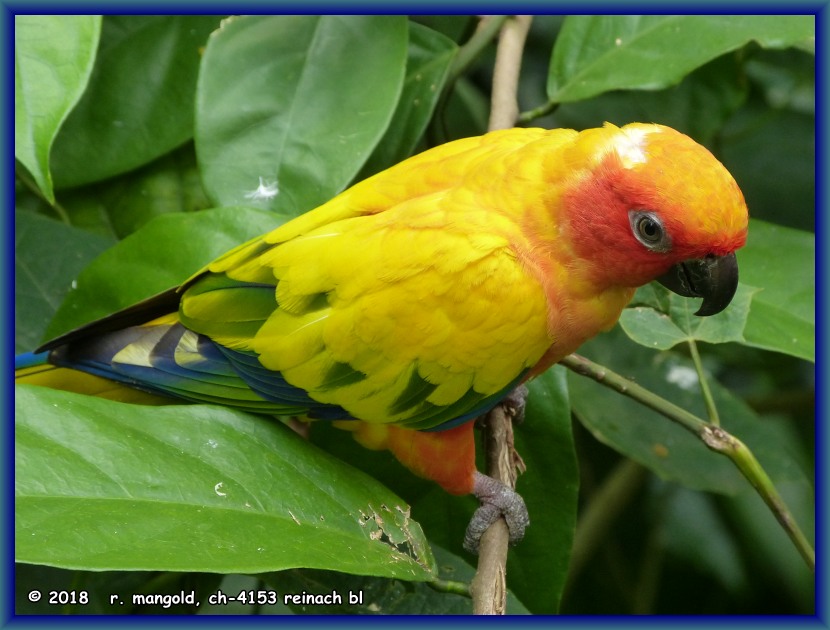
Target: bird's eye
648, 229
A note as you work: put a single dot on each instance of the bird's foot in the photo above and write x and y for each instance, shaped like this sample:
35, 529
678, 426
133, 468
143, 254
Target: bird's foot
497, 500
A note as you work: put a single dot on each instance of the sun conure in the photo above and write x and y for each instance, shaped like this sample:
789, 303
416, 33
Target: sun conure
419, 298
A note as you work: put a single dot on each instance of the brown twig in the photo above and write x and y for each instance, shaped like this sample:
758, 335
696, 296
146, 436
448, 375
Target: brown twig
489, 586
504, 108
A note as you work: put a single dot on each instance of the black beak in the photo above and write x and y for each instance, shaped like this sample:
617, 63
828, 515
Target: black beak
714, 278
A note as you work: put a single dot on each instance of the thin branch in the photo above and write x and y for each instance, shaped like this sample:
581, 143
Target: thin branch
504, 106
708, 399
450, 586
538, 112
489, 586
712, 436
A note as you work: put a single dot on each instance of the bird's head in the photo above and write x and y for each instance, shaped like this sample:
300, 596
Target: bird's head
652, 204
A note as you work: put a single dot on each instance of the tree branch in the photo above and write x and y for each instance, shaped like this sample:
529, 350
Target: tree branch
712, 436
489, 586
504, 108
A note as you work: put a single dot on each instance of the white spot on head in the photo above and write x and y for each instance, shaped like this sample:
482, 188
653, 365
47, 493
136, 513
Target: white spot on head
629, 144
265, 191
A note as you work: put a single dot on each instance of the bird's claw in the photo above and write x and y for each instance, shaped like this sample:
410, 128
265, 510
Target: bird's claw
515, 403
497, 500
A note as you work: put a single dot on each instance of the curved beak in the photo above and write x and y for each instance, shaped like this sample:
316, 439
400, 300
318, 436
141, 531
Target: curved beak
714, 278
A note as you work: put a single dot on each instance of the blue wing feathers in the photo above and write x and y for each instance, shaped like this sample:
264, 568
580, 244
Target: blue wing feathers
30, 359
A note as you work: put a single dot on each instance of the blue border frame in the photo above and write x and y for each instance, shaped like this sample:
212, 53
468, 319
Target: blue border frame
821, 177
819, 9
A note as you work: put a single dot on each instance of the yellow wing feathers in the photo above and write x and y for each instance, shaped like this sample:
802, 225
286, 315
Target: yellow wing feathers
451, 307
407, 285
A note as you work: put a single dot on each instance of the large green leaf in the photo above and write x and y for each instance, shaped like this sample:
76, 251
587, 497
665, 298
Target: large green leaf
44, 273
782, 261
538, 567
670, 319
596, 54
162, 254
139, 104
290, 107
652, 440
53, 59
103, 485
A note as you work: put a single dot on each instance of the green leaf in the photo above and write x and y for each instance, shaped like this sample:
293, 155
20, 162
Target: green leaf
139, 104
430, 56
650, 439
663, 328
782, 316
537, 568
120, 205
696, 532
290, 107
596, 54
53, 59
162, 254
779, 316
698, 106
103, 485
43, 273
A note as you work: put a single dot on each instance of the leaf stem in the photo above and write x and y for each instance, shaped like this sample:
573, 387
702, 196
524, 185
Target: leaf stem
488, 28
712, 436
708, 399
450, 586
537, 112
23, 175
722, 442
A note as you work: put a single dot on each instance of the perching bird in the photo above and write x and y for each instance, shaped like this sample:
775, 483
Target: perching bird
419, 298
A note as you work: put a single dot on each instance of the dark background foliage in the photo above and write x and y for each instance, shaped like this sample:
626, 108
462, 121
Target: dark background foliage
141, 142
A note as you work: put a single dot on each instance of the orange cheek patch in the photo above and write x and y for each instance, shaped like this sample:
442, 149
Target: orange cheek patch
446, 457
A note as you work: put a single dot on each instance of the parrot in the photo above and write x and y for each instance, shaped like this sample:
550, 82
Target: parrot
419, 298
